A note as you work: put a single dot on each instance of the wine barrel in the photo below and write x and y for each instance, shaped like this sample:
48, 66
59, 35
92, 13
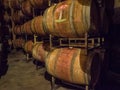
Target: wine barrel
40, 51
18, 17
26, 8
17, 30
73, 66
18, 43
36, 26
28, 46
26, 28
39, 3
72, 18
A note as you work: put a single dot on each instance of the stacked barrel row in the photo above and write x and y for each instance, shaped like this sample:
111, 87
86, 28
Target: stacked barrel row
76, 66
30, 27
63, 20
73, 18
39, 51
66, 20
63, 15
23, 12
23, 9
70, 18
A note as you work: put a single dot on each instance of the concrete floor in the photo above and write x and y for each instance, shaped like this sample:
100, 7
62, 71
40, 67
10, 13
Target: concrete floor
22, 75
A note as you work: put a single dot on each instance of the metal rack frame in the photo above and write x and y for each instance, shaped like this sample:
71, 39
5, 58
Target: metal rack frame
87, 43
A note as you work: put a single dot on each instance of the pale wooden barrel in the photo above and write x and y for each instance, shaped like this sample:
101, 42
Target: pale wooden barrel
72, 65
40, 52
34, 26
28, 46
17, 30
66, 20
26, 28
37, 27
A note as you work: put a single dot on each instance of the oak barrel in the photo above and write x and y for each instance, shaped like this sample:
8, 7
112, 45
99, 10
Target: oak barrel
72, 18
26, 28
18, 43
17, 30
39, 3
26, 8
18, 17
28, 46
40, 51
73, 66
37, 27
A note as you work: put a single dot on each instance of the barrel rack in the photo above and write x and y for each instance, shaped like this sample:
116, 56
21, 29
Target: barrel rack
87, 43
